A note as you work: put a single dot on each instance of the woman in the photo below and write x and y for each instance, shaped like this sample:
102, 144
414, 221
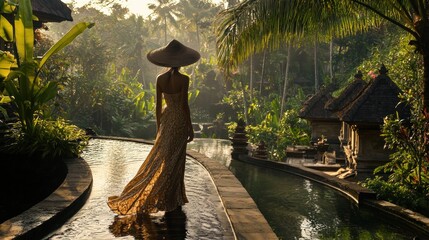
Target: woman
159, 183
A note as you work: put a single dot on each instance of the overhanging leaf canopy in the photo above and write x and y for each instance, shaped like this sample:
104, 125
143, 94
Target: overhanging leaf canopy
254, 25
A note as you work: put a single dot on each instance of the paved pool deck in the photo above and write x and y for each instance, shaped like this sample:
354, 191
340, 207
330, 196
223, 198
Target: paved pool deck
245, 219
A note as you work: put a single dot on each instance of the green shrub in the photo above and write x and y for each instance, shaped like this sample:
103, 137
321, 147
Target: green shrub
397, 193
277, 134
231, 128
49, 140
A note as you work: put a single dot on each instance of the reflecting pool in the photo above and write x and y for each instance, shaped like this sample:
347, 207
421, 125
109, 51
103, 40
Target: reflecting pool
297, 208
113, 163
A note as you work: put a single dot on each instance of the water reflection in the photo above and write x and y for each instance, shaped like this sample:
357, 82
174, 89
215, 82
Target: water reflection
297, 208
218, 149
113, 163
168, 226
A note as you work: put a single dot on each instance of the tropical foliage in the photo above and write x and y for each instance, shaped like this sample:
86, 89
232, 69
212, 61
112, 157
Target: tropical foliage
24, 87
278, 134
253, 25
164, 11
111, 89
406, 181
398, 193
50, 140
409, 165
88, 78
266, 124
257, 24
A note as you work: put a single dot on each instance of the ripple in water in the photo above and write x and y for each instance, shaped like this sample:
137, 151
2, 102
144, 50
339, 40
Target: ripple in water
113, 164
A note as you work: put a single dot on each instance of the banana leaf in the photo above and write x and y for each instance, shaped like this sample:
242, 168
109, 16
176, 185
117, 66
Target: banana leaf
65, 40
6, 29
24, 32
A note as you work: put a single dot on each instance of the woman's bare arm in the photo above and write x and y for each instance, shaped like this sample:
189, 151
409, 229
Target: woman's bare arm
158, 104
187, 110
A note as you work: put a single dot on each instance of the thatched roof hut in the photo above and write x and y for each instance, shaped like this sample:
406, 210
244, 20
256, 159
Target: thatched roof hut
378, 99
348, 94
323, 121
314, 107
362, 118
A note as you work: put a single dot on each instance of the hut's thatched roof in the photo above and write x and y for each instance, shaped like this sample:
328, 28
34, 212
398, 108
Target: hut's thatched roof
51, 10
377, 100
347, 95
314, 107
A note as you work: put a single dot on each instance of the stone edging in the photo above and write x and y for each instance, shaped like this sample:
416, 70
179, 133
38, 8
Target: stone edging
246, 219
351, 189
354, 191
54, 210
416, 221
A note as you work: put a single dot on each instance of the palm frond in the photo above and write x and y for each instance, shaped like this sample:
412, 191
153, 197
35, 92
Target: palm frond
254, 25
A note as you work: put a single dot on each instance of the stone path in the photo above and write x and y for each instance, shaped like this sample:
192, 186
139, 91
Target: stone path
246, 219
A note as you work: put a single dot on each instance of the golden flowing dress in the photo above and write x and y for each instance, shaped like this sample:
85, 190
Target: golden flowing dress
159, 183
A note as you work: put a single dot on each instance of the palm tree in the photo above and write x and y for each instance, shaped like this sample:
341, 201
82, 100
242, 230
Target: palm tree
331, 69
258, 24
285, 86
197, 15
262, 72
164, 11
316, 72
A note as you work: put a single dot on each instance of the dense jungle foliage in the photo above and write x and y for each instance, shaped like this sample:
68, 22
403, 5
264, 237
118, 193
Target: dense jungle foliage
107, 84
32, 137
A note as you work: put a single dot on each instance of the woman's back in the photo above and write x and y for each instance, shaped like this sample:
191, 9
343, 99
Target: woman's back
172, 82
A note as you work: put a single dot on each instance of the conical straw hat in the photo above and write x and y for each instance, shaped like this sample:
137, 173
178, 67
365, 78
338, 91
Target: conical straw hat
174, 54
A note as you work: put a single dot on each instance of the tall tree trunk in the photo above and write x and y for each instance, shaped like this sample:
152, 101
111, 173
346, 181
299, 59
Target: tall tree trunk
331, 70
199, 50
426, 84
262, 73
198, 36
422, 44
165, 30
251, 78
285, 81
316, 73
246, 118
194, 82
426, 78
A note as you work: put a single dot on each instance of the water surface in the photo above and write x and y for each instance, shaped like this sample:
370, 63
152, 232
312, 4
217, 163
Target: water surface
113, 163
297, 208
